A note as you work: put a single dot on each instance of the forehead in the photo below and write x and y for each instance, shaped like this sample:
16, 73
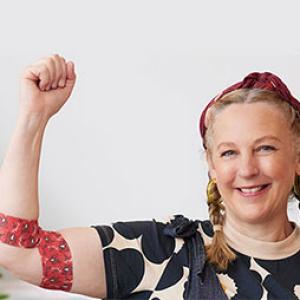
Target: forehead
247, 122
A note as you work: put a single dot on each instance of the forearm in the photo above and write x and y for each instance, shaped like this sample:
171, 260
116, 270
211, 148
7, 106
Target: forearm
24, 245
20, 167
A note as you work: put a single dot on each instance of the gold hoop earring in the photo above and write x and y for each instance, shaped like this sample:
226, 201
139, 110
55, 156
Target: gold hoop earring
212, 190
215, 205
210, 186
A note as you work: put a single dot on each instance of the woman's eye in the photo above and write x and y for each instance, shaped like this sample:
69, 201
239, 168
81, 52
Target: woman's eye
227, 153
265, 148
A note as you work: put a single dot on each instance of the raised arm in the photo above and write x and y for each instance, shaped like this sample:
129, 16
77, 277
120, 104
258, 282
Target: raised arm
45, 87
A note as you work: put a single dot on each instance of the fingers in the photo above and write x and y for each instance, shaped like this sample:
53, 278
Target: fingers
70, 69
62, 79
51, 73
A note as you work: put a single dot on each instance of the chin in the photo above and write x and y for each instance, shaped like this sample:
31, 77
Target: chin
252, 215
254, 218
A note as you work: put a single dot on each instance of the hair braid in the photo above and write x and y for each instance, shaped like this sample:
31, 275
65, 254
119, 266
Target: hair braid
218, 252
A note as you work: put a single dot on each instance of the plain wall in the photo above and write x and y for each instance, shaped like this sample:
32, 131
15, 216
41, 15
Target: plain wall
127, 145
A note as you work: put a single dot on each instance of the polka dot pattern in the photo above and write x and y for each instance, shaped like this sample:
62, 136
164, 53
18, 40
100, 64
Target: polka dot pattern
142, 262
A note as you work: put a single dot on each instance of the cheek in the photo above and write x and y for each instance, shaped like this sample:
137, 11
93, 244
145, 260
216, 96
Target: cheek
225, 173
278, 169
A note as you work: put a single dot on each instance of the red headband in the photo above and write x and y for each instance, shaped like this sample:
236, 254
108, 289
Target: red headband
264, 81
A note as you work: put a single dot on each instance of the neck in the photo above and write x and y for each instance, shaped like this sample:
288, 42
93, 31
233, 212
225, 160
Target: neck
271, 240
273, 230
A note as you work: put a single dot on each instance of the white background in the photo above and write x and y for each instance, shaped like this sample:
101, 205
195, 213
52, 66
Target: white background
127, 145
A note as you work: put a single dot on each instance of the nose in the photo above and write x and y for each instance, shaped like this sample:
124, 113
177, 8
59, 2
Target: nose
248, 167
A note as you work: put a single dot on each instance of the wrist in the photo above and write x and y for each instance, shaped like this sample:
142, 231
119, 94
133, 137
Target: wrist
32, 122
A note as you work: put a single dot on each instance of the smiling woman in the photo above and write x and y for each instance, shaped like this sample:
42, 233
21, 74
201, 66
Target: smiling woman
247, 250
252, 142
255, 172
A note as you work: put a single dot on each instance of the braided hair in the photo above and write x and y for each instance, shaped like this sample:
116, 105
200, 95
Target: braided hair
218, 252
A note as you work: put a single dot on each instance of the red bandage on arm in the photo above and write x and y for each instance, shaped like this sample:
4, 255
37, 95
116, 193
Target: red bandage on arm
54, 250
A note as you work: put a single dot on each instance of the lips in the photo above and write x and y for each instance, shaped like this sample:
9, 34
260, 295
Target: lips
253, 190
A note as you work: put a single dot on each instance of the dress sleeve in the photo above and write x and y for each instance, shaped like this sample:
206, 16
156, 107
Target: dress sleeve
140, 259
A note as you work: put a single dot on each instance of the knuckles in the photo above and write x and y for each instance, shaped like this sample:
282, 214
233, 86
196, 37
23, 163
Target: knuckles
50, 71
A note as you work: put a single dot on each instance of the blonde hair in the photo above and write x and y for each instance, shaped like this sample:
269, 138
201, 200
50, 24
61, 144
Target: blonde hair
218, 252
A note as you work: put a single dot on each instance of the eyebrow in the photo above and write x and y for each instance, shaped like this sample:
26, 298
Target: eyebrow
267, 137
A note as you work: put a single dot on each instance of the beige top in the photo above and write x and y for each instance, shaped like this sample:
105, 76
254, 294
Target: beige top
261, 249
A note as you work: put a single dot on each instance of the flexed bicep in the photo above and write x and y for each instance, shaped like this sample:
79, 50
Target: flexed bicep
70, 260
88, 262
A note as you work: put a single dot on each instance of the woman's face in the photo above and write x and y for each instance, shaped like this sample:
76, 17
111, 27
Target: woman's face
254, 161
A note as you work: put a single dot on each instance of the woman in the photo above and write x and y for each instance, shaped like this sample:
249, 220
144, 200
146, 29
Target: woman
248, 249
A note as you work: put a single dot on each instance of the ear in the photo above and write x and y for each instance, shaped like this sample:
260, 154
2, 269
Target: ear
211, 169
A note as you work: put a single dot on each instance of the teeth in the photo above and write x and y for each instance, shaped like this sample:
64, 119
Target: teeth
252, 190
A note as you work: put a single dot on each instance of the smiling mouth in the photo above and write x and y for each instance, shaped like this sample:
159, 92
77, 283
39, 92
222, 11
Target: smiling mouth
254, 190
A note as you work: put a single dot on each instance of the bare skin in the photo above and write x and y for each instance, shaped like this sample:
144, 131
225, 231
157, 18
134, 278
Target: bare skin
45, 88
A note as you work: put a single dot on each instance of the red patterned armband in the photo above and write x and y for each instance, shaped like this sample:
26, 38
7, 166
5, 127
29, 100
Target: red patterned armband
56, 260
19, 232
55, 253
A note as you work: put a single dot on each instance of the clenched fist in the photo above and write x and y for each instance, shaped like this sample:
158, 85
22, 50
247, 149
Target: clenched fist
46, 85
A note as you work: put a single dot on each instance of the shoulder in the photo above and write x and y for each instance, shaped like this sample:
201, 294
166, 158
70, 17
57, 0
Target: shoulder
156, 234
159, 235
141, 230
143, 255
131, 230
